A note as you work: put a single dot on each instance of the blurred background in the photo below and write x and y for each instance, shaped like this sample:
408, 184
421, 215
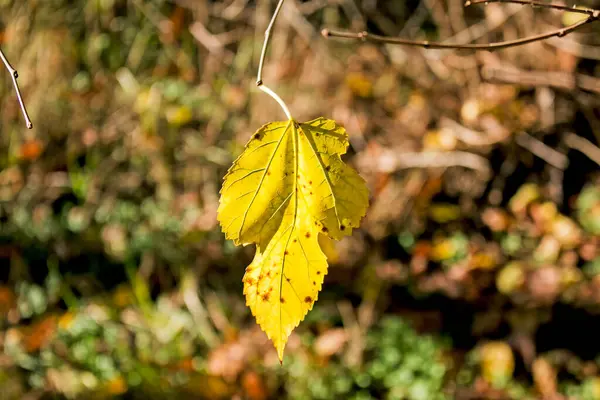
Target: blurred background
475, 274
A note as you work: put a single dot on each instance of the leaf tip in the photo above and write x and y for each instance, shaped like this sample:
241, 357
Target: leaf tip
280, 347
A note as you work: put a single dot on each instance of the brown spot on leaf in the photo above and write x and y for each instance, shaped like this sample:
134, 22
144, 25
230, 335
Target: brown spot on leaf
308, 299
288, 279
310, 182
257, 136
318, 272
249, 281
307, 235
282, 300
265, 296
324, 229
314, 283
285, 253
268, 173
327, 168
342, 227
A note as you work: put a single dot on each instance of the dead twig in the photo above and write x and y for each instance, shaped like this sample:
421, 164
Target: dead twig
14, 75
557, 80
469, 136
391, 161
584, 146
542, 150
592, 16
560, 7
575, 48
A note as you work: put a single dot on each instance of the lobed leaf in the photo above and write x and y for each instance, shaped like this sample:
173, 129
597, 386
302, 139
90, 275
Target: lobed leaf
289, 186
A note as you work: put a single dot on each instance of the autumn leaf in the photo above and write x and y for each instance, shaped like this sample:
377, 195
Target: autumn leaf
288, 187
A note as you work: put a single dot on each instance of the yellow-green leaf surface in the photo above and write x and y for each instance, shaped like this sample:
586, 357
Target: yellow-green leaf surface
288, 187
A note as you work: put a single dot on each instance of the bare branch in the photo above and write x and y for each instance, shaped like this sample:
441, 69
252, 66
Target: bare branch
259, 81
391, 161
593, 15
14, 75
560, 7
584, 146
542, 150
559, 80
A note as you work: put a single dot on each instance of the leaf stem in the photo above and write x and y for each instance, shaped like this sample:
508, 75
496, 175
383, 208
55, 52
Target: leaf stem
259, 81
593, 15
14, 75
278, 99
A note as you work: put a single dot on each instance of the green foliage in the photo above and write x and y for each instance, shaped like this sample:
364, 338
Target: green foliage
588, 209
92, 351
399, 364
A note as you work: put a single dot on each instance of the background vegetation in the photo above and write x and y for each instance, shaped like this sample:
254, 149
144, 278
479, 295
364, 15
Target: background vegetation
476, 272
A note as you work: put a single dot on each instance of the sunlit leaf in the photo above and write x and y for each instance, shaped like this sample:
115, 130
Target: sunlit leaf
288, 187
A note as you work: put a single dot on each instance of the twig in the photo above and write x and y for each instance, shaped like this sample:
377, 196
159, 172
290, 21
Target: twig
469, 136
587, 11
575, 48
593, 15
542, 150
259, 81
14, 75
558, 80
391, 161
584, 146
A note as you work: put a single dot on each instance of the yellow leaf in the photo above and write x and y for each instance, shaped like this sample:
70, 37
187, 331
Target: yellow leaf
571, 18
288, 187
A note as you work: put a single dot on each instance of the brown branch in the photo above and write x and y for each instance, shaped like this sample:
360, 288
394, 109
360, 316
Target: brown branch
560, 7
14, 75
559, 80
593, 15
584, 146
391, 161
542, 150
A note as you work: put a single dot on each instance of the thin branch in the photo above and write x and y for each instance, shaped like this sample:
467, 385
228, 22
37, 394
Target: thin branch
266, 42
584, 146
593, 15
559, 80
587, 11
14, 75
259, 81
542, 150
577, 49
471, 137
391, 161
